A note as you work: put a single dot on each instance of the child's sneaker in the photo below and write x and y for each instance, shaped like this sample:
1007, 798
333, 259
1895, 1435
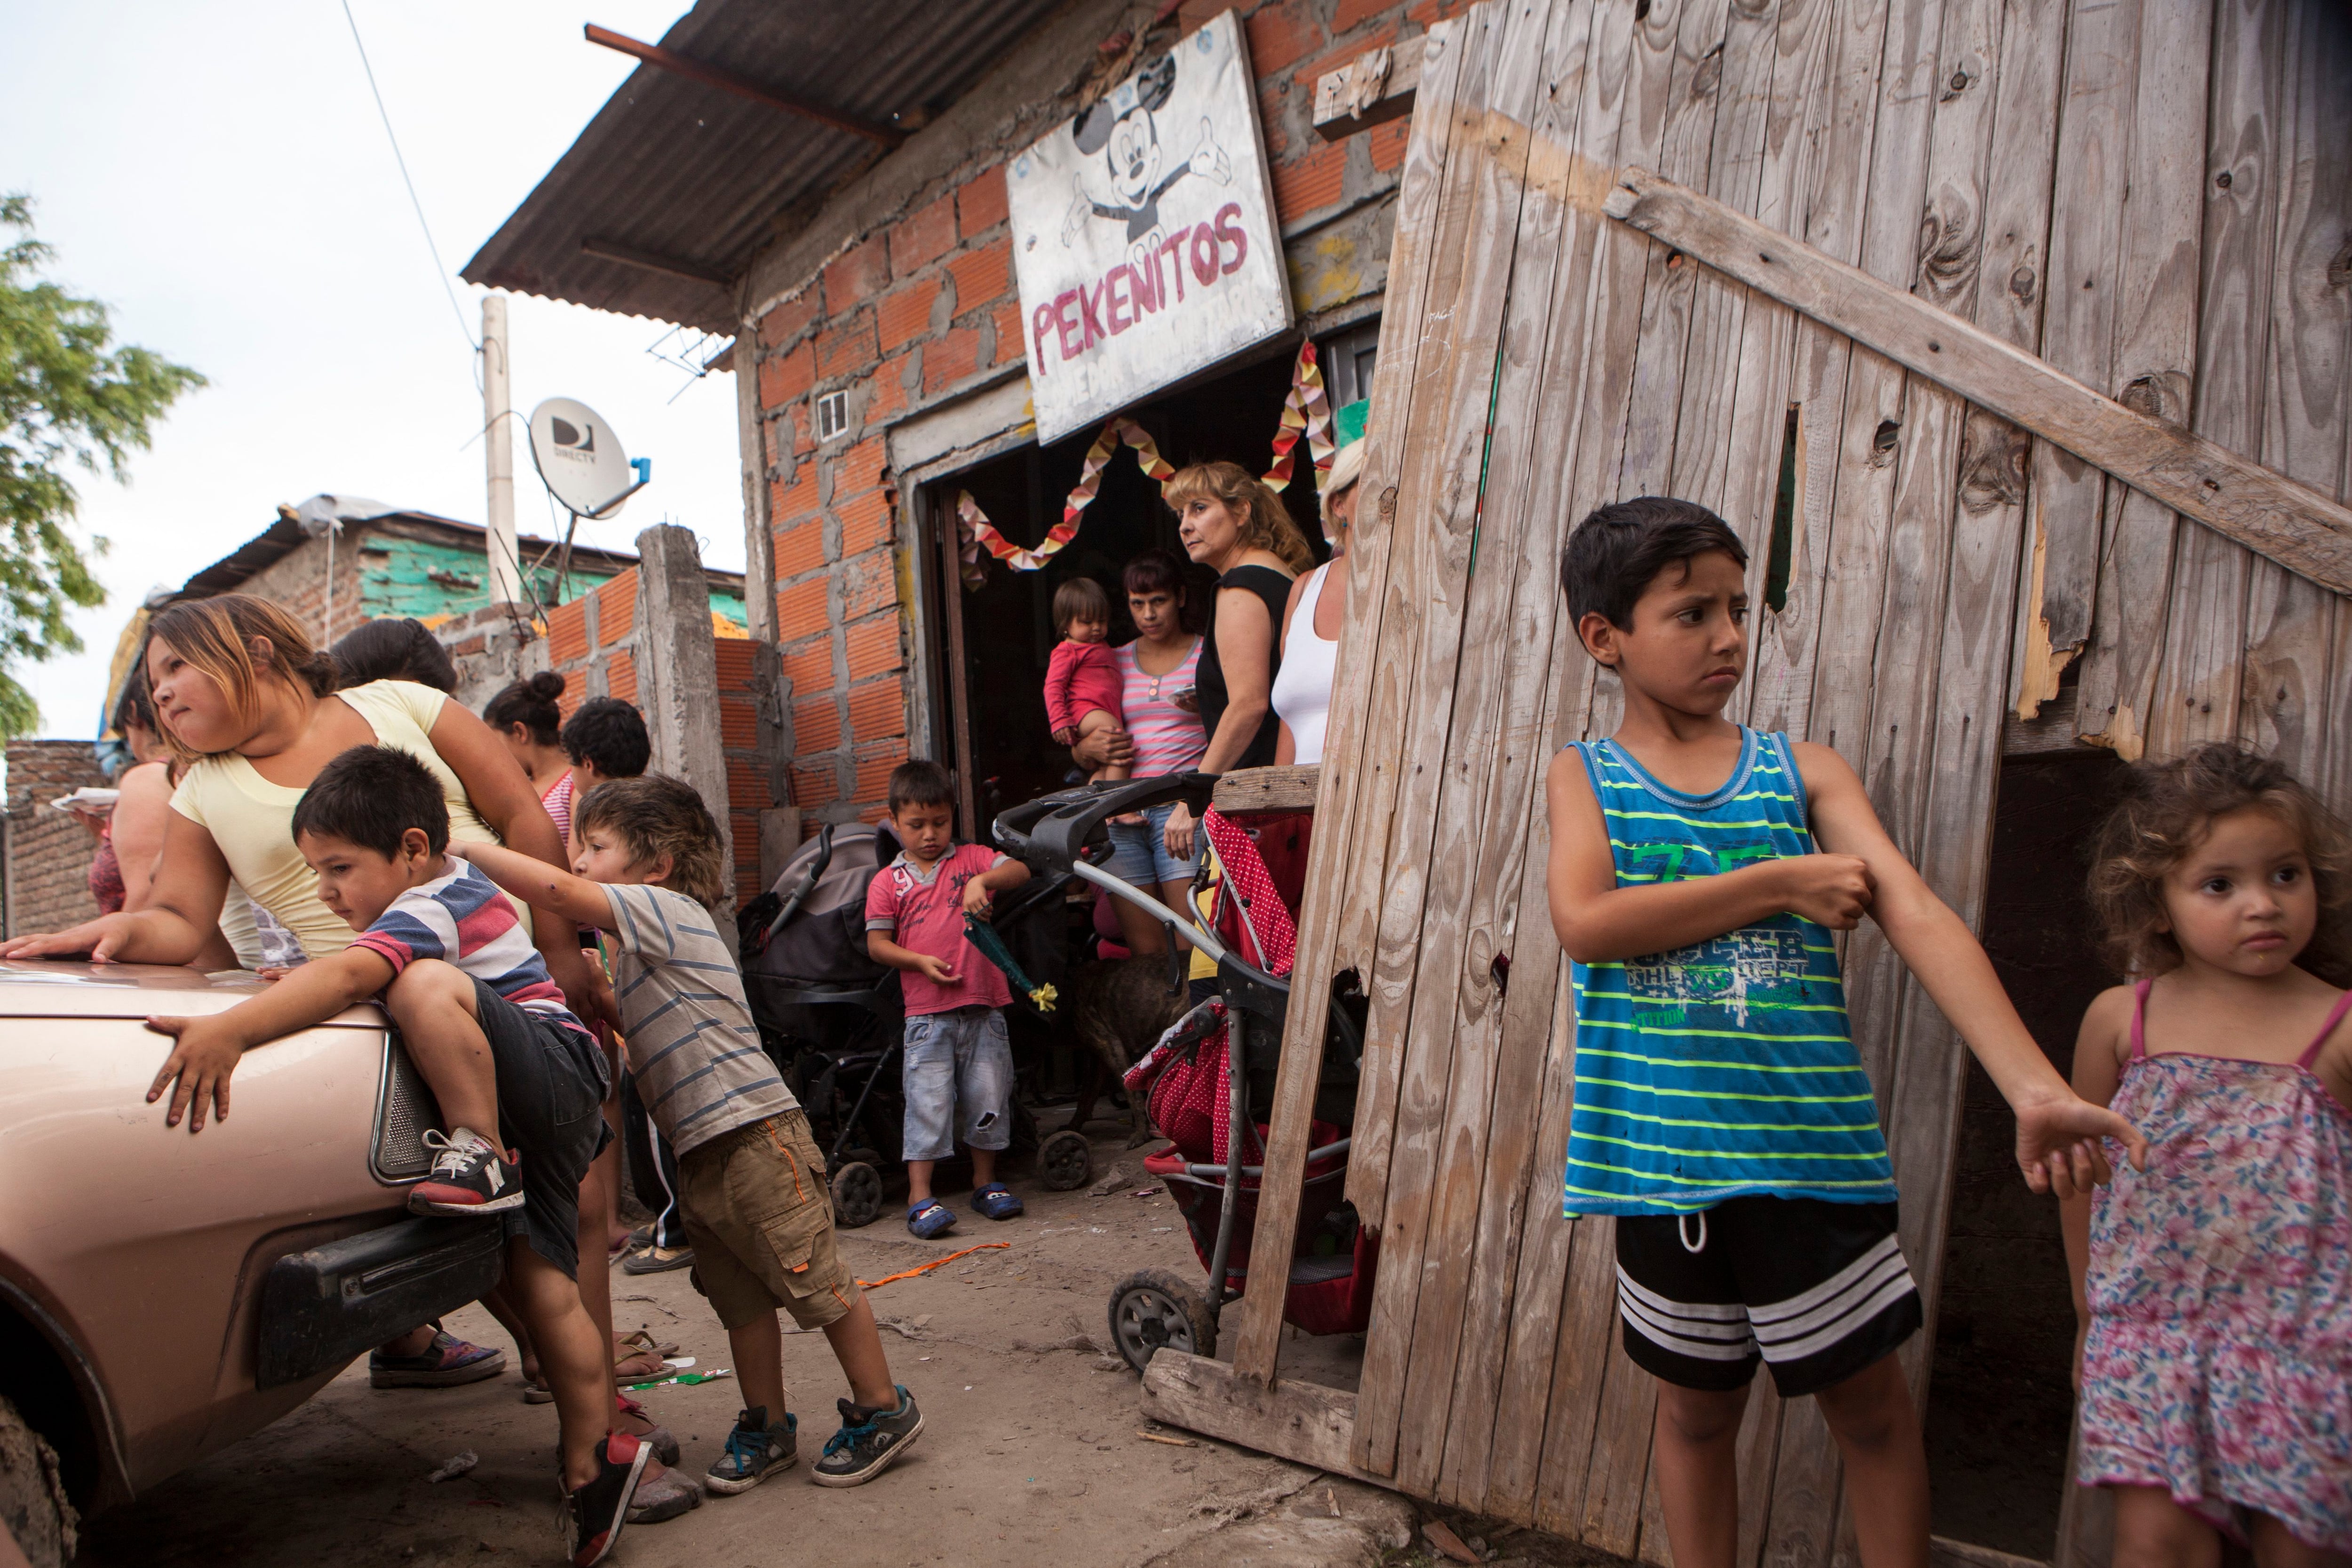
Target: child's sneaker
755, 1451
471, 1175
594, 1514
868, 1442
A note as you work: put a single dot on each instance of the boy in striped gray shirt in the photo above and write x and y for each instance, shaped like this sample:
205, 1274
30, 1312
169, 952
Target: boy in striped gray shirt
757, 1211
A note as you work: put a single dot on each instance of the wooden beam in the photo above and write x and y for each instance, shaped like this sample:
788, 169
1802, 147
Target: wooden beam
1376, 86
653, 262
2291, 523
726, 81
1262, 790
1945, 1553
1303, 1422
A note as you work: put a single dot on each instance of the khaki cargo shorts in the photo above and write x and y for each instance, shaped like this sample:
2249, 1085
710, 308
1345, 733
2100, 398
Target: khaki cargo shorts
761, 1224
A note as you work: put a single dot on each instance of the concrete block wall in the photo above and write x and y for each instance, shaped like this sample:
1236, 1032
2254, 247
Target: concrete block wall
45, 886
916, 306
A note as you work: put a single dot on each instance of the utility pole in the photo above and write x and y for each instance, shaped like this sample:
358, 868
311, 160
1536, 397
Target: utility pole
505, 579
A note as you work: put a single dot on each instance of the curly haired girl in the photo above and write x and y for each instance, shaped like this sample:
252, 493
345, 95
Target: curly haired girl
2215, 1286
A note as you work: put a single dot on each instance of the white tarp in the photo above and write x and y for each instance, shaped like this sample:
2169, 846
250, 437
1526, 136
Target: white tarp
1145, 239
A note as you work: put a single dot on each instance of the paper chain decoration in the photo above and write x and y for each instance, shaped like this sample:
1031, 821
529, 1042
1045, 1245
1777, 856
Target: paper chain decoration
1305, 412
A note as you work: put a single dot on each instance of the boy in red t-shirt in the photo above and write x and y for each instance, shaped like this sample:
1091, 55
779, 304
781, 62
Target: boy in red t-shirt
957, 1055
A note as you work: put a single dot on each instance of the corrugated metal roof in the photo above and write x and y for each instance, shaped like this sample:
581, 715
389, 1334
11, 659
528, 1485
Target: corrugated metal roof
679, 169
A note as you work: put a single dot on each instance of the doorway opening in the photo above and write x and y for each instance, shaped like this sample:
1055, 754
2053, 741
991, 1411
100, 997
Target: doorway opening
2001, 1399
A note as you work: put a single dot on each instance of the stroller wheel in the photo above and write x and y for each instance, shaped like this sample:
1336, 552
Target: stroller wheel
857, 1194
1154, 1309
1064, 1162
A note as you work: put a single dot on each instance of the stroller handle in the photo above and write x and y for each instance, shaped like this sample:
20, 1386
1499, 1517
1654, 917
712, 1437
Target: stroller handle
1052, 833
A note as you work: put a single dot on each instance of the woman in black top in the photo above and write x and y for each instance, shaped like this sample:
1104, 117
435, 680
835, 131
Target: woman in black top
1231, 523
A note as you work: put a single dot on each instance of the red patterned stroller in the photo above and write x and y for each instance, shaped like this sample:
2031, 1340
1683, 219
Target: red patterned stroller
1207, 1072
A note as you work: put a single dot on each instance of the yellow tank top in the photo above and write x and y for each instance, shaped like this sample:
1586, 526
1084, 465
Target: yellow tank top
252, 820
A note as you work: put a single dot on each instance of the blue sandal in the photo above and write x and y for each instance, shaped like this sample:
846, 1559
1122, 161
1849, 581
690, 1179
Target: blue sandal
930, 1219
995, 1201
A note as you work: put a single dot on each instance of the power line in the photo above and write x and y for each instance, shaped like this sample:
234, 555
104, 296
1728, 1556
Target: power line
392, 136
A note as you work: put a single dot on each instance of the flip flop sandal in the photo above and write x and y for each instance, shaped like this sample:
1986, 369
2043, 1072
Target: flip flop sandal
930, 1219
996, 1201
642, 1340
638, 1366
536, 1392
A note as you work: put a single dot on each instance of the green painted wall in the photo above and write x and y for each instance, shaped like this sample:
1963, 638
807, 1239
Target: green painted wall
416, 578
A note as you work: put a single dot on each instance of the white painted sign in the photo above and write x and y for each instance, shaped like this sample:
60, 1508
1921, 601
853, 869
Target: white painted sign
1144, 235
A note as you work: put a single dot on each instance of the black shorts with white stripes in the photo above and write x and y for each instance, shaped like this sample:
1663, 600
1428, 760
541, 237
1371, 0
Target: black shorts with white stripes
1820, 1290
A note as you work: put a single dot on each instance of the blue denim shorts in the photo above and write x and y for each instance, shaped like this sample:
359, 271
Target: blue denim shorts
1139, 850
958, 1079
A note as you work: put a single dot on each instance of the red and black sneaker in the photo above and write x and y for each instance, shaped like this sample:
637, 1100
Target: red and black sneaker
470, 1176
594, 1514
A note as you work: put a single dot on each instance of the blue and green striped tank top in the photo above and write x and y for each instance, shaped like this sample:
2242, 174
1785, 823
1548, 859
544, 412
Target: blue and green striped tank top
1722, 1070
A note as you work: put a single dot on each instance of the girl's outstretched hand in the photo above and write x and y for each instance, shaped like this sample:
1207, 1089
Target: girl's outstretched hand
2061, 1144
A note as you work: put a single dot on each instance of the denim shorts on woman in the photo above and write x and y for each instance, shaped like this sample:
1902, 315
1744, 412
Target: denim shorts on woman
958, 1077
1139, 854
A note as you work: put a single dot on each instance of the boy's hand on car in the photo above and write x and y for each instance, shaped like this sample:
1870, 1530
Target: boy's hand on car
936, 970
204, 1055
2061, 1144
1834, 890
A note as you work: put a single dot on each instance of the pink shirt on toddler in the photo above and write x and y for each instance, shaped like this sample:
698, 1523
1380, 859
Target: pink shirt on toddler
1081, 678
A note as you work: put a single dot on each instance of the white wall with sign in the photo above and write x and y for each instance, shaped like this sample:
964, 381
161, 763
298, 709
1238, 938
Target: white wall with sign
1144, 235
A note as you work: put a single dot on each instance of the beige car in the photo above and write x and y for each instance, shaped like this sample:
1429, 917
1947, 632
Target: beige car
169, 1294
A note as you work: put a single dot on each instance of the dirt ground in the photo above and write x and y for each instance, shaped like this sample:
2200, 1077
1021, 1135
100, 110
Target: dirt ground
1031, 1450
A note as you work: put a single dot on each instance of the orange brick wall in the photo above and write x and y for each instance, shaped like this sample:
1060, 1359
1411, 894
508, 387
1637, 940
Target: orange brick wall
923, 309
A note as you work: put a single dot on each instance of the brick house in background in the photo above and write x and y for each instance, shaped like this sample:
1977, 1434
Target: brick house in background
44, 855
839, 205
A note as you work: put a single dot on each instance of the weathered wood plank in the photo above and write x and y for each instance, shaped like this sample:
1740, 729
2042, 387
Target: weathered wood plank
1430, 850
2264, 511
2156, 363
1303, 1422
2307, 407
1376, 86
1388, 599
2199, 682
2076, 292
1259, 792
1351, 793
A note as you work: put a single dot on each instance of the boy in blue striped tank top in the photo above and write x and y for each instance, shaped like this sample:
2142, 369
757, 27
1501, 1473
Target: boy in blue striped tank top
1698, 871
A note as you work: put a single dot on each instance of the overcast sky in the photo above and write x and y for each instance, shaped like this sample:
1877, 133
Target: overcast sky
219, 177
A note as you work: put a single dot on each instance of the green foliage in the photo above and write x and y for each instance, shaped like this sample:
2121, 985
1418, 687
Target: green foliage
66, 399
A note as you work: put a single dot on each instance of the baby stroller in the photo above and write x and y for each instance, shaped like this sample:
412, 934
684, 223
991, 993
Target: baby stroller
832, 1020
1206, 1074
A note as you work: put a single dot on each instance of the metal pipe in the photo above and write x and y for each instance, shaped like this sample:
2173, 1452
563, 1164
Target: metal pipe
1205, 941
1217, 1172
1237, 1115
726, 81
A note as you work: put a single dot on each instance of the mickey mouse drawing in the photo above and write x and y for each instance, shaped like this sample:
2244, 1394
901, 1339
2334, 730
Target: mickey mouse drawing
1124, 129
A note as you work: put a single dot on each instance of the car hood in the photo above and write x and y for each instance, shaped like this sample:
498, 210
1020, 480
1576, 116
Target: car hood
48, 988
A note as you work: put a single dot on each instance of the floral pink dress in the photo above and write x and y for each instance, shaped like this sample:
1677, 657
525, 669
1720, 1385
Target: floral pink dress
2219, 1364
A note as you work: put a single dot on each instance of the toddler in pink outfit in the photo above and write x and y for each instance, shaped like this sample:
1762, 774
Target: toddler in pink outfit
1082, 679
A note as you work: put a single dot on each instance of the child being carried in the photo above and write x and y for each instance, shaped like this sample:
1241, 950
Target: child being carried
1082, 679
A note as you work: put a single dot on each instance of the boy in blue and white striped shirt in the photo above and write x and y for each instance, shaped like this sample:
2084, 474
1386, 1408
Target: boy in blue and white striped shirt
1698, 869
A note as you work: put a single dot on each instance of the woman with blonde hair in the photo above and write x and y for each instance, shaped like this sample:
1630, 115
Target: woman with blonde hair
1232, 522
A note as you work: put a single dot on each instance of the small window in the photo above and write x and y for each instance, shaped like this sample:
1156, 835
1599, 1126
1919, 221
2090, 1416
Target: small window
832, 416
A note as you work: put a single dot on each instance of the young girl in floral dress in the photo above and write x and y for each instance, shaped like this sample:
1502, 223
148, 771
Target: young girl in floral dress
2215, 1286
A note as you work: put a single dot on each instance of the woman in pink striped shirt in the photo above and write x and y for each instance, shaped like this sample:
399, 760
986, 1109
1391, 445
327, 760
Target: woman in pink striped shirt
1156, 671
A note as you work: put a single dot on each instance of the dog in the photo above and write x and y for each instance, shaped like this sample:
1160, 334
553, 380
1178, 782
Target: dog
1117, 1008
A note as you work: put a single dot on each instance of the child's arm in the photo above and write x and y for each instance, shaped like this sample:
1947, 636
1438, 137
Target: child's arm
205, 1050
540, 885
1002, 878
2098, 1070
1597, 920
1061, 670
879, 946
2057, 1133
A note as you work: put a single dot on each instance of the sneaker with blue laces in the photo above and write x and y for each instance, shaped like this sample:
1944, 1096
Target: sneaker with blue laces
755, 1451
868, 1441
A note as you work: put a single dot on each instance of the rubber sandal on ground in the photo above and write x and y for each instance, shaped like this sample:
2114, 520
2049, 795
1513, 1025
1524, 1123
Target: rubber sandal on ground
657, 1260
930, 1219
995, 1201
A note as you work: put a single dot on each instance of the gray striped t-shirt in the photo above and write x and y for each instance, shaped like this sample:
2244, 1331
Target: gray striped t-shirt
692, 1044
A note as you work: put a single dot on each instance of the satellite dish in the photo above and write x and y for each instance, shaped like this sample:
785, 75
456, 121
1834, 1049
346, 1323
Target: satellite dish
580, 459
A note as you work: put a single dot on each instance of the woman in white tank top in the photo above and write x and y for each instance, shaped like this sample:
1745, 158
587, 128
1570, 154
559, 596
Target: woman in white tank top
1310, 625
